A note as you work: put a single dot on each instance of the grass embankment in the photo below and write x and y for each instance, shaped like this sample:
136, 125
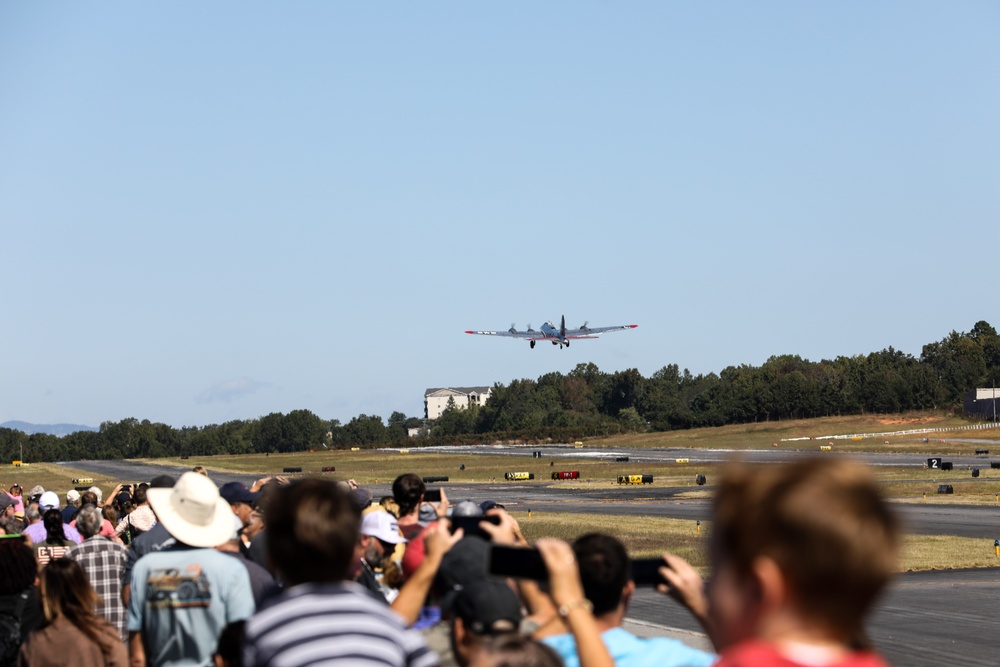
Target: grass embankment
51, 476
764, 435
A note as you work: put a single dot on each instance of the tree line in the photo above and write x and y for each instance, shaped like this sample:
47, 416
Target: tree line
584, 402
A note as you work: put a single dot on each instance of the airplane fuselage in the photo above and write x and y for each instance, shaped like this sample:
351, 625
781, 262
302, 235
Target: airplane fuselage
552, 332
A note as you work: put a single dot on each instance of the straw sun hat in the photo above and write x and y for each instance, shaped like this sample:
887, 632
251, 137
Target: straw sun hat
192, 511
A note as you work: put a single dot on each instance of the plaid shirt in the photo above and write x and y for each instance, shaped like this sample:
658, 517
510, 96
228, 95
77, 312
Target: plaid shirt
103, 561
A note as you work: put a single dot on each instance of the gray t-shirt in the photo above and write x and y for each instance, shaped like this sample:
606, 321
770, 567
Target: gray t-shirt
182, 598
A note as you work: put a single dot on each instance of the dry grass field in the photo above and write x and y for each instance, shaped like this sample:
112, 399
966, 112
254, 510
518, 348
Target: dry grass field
763, 435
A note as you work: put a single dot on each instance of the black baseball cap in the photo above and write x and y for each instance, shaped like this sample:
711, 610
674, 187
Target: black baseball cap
235, 492
488, 608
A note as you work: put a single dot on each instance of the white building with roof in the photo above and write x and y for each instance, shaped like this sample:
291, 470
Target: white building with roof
436, 399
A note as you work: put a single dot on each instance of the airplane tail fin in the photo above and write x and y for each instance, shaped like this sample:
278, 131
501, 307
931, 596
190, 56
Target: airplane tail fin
562, 327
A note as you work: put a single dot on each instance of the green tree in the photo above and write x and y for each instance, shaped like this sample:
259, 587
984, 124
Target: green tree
631, 421
455, 420
267, 437
366, 431
301, 430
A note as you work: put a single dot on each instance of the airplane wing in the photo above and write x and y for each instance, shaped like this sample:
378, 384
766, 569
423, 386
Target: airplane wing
594, 332
524, 335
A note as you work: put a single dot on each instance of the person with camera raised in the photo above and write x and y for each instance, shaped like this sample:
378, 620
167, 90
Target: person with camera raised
605, 571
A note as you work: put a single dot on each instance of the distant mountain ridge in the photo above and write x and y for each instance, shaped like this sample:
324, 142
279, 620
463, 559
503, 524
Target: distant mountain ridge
51, 429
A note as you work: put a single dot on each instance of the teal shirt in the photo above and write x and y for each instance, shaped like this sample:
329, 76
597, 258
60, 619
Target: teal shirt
182, 598
627, 650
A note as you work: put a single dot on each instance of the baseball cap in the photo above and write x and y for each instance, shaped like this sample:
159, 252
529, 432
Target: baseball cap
487, 505
72, 496
360, 498
36, 492
235, 492
383, 526
461, 566
488, 607
5, 501
48, 501
427, 514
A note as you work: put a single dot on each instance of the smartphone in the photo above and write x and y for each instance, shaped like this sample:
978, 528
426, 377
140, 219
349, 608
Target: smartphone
470, 524
646, 571
432, 496
517, 562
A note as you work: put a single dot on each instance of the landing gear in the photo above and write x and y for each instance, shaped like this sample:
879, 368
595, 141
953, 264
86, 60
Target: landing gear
555, 342
532, 344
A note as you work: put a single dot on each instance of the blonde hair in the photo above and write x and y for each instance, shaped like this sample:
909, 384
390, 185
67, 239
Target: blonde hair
390, 505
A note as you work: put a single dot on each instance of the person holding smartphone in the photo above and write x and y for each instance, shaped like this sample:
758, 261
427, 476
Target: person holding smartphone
408, 491
605, 573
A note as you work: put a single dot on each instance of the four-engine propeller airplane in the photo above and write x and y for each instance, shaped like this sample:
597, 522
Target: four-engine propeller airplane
560, 335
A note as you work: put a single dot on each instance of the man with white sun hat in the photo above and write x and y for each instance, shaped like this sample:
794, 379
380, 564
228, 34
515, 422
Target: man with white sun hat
183, 596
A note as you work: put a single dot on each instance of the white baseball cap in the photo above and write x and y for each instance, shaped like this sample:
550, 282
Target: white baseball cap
49, 501
383, 526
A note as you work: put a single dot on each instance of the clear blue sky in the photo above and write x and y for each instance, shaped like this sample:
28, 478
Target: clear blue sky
219, 210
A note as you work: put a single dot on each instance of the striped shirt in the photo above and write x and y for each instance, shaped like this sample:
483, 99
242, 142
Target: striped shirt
103, 561
331, 624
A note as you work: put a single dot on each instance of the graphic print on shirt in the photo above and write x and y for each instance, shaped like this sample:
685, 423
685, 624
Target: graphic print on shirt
171, 588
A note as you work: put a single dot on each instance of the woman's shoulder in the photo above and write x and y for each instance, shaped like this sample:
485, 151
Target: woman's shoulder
53, 638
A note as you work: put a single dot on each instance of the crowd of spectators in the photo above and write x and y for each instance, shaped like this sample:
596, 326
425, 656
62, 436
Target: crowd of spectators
312, 571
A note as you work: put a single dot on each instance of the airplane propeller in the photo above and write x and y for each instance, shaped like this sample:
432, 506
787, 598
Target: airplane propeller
583, 327
529, 328
513, 329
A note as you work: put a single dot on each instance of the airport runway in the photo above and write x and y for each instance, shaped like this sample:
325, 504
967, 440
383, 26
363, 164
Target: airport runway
927, 619
976, 521
784, 452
